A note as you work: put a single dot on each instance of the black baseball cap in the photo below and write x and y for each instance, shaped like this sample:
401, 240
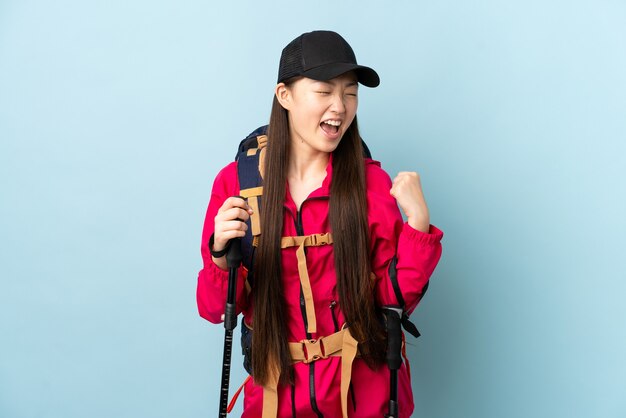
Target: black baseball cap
322, 55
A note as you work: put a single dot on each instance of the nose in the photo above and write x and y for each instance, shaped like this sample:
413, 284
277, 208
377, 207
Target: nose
337, 105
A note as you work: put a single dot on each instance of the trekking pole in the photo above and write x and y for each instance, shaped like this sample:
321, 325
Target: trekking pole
394, 355
233, 260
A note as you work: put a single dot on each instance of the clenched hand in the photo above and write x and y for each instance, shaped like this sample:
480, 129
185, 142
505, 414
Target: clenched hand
407, 190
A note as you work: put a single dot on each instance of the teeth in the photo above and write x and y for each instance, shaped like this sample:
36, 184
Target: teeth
333, 122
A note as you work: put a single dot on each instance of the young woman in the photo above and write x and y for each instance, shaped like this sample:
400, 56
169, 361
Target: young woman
331, 233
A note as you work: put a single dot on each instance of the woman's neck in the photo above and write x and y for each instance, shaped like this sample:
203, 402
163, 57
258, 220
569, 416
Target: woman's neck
306, 173
309, 165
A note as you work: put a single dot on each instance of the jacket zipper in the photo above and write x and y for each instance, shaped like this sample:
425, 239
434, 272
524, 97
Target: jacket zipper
300, 231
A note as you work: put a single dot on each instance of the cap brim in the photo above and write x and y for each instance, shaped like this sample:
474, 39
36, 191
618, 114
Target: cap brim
365, 75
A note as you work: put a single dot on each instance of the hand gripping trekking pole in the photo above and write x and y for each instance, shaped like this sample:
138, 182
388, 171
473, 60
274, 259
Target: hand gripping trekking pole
233, 260
394, 355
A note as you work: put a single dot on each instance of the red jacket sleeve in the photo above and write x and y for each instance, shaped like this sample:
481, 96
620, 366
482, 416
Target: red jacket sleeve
212, 280
417, 252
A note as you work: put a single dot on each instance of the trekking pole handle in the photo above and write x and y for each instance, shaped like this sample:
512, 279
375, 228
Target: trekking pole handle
233, 259
234, 254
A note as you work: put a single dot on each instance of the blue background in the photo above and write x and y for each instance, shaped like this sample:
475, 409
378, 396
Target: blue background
116, 115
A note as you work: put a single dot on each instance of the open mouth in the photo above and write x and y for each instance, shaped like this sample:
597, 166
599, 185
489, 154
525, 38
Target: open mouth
330, 126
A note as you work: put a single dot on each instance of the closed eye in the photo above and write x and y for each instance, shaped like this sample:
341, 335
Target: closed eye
323, 92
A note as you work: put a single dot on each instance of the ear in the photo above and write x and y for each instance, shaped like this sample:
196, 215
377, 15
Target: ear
283, 94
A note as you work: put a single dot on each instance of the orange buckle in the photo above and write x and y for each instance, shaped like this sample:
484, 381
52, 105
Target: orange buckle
313, 350
319, 239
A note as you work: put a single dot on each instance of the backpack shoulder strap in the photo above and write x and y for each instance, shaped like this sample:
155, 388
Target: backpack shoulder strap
251, 186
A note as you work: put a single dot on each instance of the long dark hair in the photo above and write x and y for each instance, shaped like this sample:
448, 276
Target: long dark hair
348, 219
